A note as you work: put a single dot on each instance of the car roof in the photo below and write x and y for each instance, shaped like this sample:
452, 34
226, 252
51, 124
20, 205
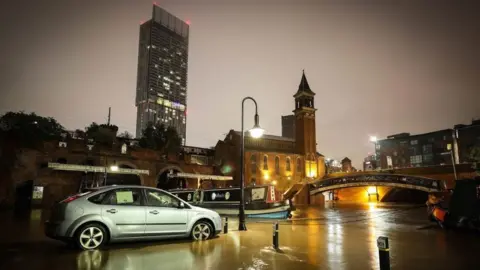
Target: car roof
110, 187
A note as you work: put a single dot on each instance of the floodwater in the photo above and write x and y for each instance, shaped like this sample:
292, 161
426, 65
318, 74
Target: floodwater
341, 236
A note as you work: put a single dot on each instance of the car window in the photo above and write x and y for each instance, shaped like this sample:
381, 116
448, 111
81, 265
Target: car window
160, 199
124, 196
97, 199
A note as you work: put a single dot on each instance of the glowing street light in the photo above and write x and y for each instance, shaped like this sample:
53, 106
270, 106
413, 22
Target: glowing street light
255, 132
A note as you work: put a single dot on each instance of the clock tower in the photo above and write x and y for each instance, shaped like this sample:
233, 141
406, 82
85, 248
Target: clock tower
305, 136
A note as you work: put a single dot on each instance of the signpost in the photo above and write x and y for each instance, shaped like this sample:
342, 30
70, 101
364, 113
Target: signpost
383, 253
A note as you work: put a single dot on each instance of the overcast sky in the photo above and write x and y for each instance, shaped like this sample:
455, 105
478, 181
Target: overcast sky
377, 69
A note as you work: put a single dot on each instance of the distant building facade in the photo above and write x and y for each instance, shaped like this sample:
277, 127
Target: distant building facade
404, 150
442, 147
161, 95
281, 161
288, 126
370, 163
468, 137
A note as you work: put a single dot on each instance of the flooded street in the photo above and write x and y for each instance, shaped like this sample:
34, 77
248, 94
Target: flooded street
331, 237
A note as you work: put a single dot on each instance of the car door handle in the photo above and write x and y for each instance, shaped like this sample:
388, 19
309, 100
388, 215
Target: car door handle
113, 211
154, 212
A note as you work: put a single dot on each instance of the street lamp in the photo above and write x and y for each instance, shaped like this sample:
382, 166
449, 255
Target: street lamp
114, 168
255, 132
374, 140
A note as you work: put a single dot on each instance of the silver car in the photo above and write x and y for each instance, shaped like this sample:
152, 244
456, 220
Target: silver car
124, 213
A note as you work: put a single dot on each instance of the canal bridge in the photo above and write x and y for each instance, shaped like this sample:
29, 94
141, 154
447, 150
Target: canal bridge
377, 179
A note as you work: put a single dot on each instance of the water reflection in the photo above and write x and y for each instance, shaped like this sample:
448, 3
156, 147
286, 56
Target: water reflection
335, 246
343, 237
195, 255
372, 233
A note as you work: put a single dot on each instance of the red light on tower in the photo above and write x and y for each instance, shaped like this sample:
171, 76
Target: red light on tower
155, 3
141, 22
187, 22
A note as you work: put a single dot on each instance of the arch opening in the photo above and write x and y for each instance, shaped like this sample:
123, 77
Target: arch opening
166, 183
405, 195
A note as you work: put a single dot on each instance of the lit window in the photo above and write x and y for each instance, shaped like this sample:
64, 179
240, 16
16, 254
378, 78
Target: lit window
253, 164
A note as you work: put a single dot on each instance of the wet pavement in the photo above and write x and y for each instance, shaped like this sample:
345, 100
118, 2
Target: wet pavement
332, 237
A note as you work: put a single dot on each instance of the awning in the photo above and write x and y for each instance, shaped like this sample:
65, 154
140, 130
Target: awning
99, 169
200, 176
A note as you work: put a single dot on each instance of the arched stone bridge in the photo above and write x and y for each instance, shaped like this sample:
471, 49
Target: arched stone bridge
378, 179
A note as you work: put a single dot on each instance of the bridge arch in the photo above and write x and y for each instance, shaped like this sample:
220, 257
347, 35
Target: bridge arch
163, 182
377, 179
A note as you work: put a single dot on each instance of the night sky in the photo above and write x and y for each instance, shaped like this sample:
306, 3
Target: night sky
377, 69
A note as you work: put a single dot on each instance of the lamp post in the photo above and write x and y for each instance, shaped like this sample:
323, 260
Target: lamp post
373, 139
255, 132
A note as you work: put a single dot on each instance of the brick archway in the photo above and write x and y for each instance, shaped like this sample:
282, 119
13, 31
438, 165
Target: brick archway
130, 165
163, 182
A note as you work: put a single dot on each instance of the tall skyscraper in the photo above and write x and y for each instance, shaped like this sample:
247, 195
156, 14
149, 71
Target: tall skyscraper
162, 72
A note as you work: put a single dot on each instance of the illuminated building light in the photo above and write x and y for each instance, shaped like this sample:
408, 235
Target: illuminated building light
266, 176
372, 190
274, 182
187, 22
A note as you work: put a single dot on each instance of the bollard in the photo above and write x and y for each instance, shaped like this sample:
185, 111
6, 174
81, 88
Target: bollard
225, 226
275, 235
383, 253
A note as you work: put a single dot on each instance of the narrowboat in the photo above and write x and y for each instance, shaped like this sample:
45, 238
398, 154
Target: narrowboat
260, 201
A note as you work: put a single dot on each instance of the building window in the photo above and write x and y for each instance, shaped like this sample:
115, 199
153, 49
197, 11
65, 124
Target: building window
299, 165
253, 182
413, 142
288, 164
265, 163
428, 158
416, 160
277, 165
253, 164
427, 149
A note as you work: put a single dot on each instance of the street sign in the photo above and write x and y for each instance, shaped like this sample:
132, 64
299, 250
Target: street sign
382, 243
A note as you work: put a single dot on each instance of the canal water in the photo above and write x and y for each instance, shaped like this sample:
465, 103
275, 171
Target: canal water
334, 236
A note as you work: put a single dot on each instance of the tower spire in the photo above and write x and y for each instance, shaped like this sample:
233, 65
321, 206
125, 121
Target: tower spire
304, 87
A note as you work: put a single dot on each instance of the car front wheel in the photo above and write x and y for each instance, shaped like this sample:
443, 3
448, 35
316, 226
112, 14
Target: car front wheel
202, 230
91, 236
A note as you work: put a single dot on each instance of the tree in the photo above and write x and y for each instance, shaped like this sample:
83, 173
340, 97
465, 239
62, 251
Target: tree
125, 135
29, 130
102, 134
161, 138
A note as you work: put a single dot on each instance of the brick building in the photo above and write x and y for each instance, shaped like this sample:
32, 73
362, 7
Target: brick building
282, 161
60, 168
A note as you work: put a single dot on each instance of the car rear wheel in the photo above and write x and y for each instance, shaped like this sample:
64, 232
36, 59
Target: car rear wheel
91, 236
202, 230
